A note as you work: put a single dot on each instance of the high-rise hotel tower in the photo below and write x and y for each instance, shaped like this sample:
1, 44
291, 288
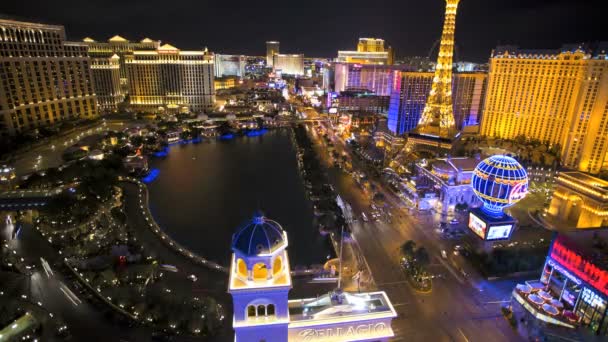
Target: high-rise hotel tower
558, 97
106, 76
170, 79
436, 129
272, 48
120, 47
43, 78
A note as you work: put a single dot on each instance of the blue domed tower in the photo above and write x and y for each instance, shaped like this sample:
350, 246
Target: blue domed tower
260, 281
499, 182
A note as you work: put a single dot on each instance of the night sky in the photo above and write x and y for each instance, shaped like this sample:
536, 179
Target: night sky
320, 28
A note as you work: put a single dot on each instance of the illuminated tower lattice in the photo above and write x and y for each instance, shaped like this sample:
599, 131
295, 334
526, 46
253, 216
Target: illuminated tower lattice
438, 117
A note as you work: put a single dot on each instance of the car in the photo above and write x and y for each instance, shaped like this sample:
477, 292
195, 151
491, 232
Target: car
458, 248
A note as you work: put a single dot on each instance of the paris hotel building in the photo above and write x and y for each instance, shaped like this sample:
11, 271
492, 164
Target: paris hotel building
558, 97
43, 78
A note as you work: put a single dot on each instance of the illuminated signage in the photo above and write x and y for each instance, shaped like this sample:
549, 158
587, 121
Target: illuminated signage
477, 225
564, 272
333, 110
592, 299
499, 232
350, 333
519, 191
581, 268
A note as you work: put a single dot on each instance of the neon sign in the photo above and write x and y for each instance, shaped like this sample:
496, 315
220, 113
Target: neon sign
581, 268
564, 272
350, 332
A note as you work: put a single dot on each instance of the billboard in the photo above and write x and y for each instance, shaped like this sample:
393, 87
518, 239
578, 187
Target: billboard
489, 228
477, 225
499, 232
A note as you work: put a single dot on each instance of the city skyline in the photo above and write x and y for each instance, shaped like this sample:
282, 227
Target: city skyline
411, 28
164, 185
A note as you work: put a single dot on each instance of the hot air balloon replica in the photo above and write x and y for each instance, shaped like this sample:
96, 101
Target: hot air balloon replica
499, 182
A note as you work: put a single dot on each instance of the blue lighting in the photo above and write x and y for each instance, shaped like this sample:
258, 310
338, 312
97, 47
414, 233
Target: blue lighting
163, 153
499, 182
191, 141
227, 136
257, 132
151, 176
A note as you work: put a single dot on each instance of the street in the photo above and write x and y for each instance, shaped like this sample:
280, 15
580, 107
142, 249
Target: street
50, 155
459, 308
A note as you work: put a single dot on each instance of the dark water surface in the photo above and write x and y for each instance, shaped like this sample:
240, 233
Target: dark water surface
204, 192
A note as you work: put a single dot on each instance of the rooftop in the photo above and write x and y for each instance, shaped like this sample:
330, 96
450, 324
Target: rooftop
594, 50
582, 182
340, 306
259, 236
457, 164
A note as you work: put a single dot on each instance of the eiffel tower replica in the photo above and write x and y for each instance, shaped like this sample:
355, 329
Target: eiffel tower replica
436, 131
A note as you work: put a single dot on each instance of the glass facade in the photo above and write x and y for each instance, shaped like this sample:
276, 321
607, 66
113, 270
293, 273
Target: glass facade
578, 297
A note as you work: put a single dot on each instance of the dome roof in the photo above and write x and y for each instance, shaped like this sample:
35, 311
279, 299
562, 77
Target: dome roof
259, 236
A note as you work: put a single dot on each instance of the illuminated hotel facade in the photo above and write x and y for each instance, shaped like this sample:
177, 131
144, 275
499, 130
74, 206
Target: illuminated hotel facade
379, 79
120, 47
559, 97
289, 64
580, 201
272, 48
260, 281
369, 51
170, 79
44, 79
106, 77
412, 89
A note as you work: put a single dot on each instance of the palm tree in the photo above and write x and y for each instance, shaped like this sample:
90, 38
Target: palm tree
422, 258
408, 248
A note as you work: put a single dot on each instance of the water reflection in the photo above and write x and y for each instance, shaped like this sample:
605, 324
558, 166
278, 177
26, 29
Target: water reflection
205, 191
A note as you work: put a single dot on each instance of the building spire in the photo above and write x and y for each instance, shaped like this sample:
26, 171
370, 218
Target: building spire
438, 117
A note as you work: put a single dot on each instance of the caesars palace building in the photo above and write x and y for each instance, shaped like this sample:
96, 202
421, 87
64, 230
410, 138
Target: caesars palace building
260, 280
